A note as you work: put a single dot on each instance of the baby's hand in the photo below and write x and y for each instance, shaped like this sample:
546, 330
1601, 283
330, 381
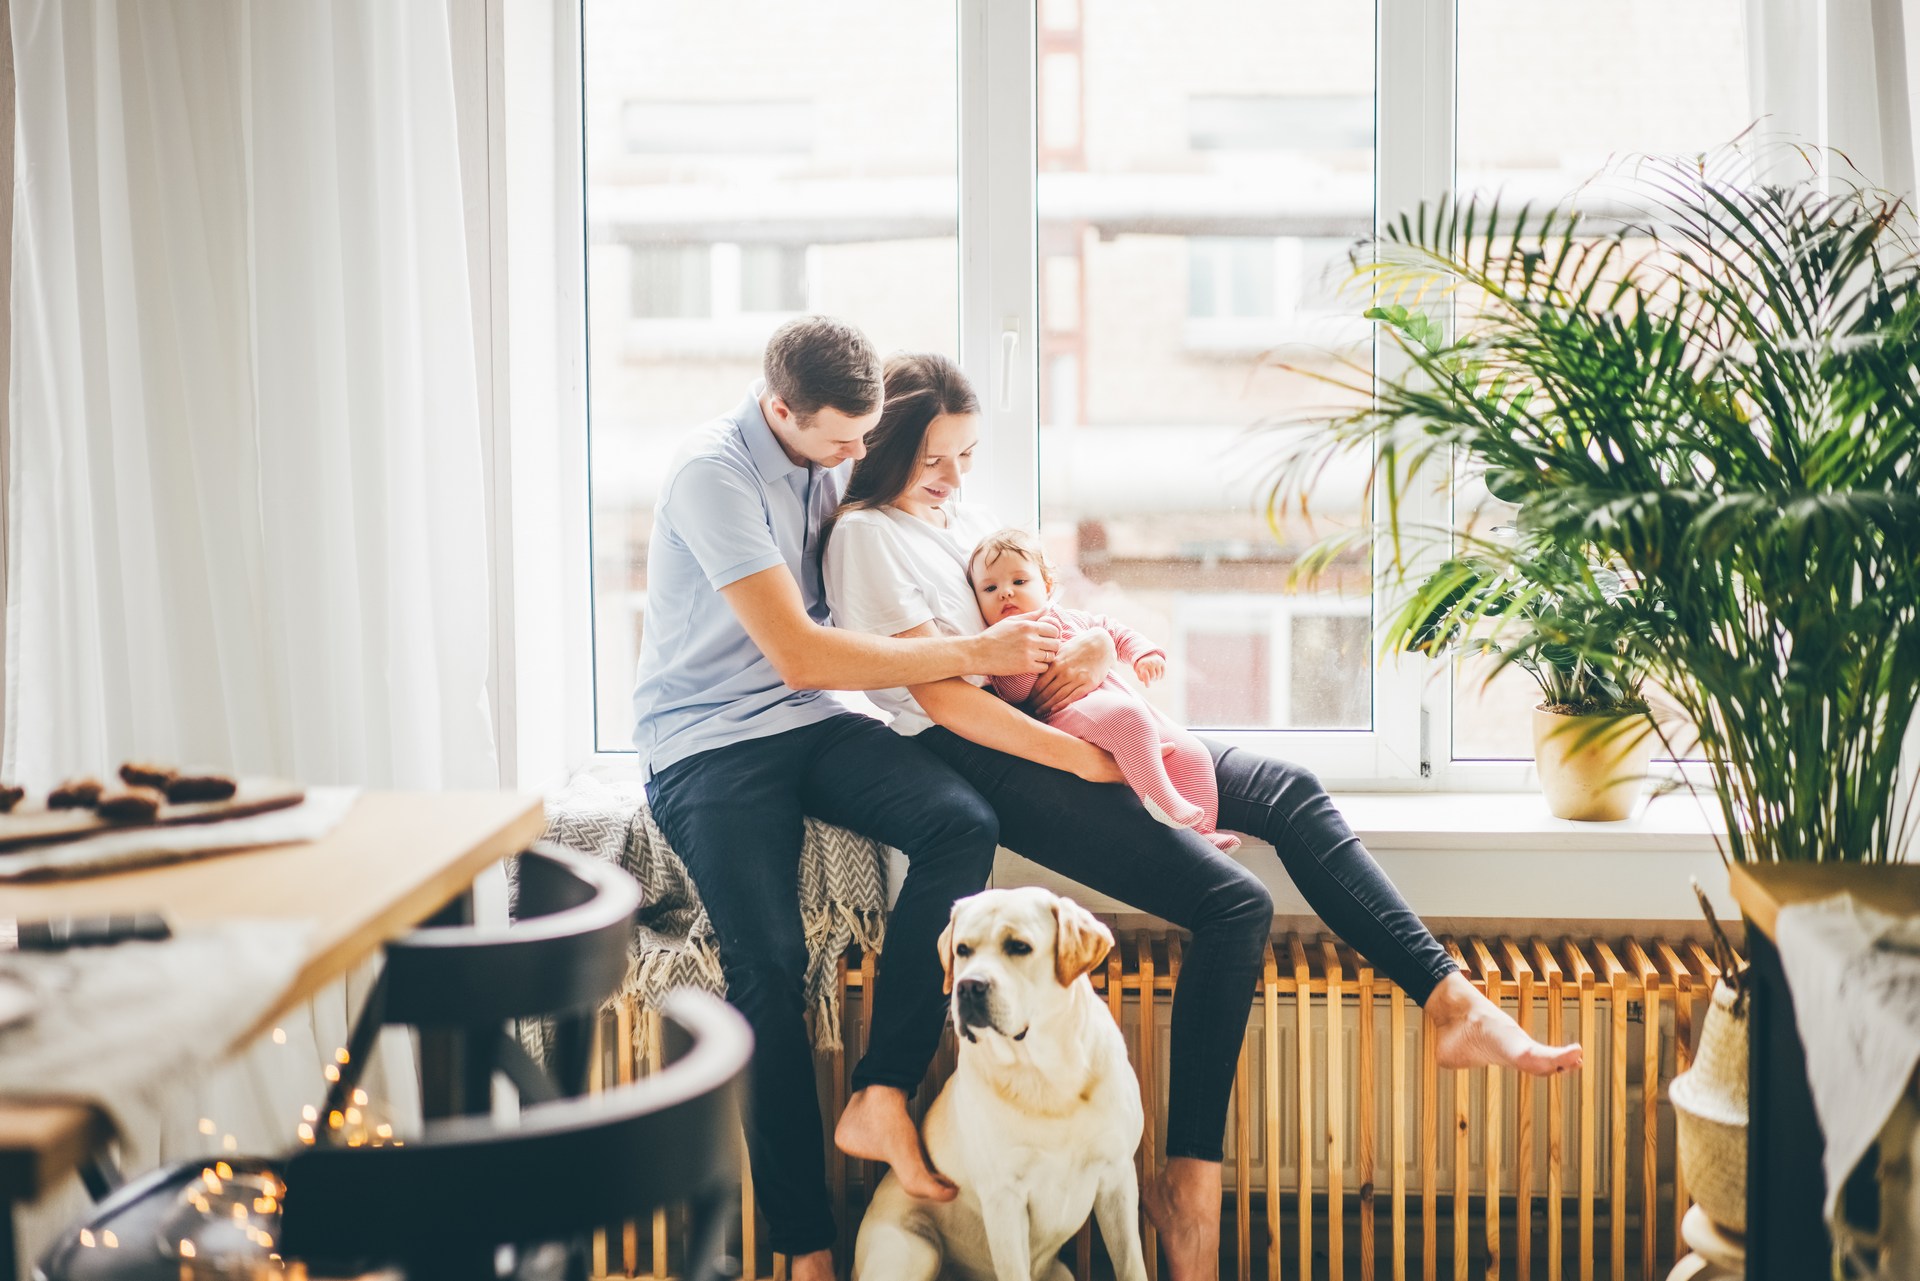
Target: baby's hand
1150, 669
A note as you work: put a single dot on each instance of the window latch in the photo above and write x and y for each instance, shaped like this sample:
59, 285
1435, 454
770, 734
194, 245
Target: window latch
1009, 343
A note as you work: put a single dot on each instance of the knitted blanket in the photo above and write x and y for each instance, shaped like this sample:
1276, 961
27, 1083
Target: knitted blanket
843, 900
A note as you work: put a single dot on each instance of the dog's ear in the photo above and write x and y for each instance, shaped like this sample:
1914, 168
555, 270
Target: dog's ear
1080, 941
946, 958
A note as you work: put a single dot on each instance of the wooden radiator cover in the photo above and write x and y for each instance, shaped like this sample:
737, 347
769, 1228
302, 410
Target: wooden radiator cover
1367, 1162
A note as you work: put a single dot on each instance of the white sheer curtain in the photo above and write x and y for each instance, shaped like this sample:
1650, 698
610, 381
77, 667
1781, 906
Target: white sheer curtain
247, 523
1841, 74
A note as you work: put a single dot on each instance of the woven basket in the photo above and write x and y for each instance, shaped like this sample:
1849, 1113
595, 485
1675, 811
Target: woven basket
1710, 1110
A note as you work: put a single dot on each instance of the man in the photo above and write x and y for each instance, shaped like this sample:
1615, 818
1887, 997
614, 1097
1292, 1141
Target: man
738, 742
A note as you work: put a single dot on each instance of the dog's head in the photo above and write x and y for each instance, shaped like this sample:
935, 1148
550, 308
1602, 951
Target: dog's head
1010, 957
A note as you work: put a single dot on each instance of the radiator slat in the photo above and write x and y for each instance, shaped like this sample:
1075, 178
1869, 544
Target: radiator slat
1490, 973
1616, 976
1397, 1025
1523, 1120
1369, 1092
1270, 1025
1242, 1166
1336, 1109
1303, 1091
1649, 983
1429, 1160
1589, 1079
1460, 1083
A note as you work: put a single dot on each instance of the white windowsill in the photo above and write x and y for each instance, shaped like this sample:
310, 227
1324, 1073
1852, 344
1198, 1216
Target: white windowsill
1461, 858
1491, 861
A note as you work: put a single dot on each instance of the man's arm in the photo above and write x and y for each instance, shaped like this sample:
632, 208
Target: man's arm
979, 717
809, 656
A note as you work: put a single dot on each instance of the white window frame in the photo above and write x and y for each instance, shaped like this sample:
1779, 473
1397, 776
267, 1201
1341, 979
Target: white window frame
532, 277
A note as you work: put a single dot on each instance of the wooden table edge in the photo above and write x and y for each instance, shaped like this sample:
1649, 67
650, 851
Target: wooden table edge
423, 901
43, 1141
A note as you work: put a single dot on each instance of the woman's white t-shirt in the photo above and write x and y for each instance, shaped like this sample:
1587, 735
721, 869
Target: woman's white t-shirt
887, 572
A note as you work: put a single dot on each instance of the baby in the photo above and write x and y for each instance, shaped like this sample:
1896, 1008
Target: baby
1169, 768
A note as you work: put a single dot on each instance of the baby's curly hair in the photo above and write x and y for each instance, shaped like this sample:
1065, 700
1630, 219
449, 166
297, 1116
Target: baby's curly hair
1015, 541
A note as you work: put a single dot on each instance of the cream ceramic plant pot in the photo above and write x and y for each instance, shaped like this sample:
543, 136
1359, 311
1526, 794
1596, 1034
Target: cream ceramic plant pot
1591, 768
1710, 1115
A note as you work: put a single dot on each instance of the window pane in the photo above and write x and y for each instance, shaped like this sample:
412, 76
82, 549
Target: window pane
730, 186
1204, 168
1652, 77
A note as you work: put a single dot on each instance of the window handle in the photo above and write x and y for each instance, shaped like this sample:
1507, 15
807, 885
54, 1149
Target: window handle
1009, 343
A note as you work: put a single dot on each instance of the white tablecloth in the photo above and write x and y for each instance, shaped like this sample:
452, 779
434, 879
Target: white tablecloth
1855, 977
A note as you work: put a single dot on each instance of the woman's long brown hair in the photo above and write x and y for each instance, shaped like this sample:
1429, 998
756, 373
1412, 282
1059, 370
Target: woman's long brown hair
920, 387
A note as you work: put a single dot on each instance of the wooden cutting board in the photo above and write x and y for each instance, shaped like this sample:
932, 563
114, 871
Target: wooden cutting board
32, 823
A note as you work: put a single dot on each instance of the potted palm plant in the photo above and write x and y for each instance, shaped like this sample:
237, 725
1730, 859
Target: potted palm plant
1717, 393
1566, 622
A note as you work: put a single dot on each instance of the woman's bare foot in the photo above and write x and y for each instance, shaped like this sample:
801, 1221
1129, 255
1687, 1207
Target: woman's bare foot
1183, 1204
1469, 1031
876, 1127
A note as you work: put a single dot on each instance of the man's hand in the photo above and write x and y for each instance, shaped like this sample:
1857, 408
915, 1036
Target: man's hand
1082, 664
1151, 668
1096, 766
1016, 646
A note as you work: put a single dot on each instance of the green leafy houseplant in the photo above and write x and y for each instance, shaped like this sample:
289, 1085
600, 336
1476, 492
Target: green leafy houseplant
1562, 620
1718, 396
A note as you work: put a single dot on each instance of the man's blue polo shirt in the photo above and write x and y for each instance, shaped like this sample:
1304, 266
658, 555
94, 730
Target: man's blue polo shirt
733, 504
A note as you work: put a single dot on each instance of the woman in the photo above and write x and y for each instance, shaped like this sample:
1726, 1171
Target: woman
896, 564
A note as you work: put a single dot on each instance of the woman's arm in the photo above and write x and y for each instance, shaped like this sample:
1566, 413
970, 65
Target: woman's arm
979, 717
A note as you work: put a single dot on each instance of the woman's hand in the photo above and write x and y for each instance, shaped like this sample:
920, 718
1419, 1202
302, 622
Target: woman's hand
1077, 670
1151, 668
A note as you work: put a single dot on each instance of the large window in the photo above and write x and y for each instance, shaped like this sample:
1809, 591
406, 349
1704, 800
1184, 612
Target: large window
1131, 222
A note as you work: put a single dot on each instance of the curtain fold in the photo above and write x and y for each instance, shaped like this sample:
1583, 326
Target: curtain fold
247, 521
1840, 74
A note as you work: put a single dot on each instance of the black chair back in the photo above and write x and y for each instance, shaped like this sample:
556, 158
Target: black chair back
562, 953
571, 1166
565, 948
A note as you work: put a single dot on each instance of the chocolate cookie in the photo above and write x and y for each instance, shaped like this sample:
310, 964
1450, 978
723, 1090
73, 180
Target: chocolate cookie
184, 789
10, 797
131, 805
75, 794
142, 774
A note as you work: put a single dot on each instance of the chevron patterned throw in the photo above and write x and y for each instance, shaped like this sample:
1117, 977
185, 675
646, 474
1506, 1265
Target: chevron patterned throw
843, 900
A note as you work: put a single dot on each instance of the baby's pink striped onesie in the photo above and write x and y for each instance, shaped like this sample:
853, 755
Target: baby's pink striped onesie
1168, 767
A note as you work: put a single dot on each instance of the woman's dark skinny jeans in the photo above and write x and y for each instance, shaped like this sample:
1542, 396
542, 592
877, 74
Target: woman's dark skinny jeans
1099, 835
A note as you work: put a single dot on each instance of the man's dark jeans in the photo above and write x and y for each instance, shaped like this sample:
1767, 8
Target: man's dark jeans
735, 816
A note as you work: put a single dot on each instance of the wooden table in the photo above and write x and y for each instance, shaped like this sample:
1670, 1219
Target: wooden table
396, 859
1786, 1229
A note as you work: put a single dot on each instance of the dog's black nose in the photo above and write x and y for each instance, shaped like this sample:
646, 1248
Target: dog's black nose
972, 997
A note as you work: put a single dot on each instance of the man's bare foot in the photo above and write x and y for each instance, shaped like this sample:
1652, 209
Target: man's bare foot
1183, 1204
876, 1127
817, 1266
1469, 1031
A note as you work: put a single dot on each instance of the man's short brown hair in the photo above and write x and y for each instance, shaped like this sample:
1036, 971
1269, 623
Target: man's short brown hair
817, 362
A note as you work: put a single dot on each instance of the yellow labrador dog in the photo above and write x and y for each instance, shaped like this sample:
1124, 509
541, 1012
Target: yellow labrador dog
1041, 1119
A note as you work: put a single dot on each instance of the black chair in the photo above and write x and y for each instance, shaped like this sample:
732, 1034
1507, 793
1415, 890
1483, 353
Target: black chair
562, 955
441, 1206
